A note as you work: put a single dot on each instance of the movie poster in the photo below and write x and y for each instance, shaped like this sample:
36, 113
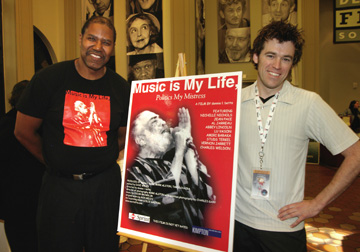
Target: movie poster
180, 162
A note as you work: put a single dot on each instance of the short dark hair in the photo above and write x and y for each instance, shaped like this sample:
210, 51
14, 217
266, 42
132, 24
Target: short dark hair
17, 91
224, 3
99, 20
283, 32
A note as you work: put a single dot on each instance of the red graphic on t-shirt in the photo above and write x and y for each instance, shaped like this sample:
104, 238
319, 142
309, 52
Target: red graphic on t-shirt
86, 119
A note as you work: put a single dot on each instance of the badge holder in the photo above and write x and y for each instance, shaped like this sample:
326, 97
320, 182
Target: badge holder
261, 181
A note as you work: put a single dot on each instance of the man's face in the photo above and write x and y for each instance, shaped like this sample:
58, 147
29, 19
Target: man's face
280, 9
274, 64
139, 32
100, 5
237, 43
232, 15
96, 46
80, 107
146, 4
157, 134
144, 70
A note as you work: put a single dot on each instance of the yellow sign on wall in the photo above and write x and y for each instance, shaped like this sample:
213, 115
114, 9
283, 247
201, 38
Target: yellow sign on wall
346, 21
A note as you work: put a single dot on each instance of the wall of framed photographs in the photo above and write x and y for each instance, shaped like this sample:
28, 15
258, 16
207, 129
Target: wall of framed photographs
61, 23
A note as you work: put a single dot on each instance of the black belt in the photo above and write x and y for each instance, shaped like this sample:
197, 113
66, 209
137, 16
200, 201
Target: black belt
81, 176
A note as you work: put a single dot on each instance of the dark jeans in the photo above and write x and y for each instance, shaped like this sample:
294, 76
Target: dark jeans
248, 239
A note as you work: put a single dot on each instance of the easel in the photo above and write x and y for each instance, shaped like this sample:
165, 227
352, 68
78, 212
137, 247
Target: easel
181, 66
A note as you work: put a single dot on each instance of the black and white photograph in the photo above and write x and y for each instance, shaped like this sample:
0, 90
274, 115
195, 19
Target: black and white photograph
233, 31
276, 10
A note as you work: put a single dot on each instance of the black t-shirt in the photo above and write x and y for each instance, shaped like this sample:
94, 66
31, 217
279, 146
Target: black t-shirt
80, 117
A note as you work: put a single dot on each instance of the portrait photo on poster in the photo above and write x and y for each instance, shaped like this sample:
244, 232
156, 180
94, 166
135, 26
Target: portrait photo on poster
276, 10
159, 166
234, 31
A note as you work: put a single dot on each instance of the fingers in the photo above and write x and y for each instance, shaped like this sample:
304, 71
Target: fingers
301, 210
183, 114
184, 118
287, 212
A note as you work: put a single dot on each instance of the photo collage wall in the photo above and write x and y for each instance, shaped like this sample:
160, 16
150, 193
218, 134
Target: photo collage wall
234, 38
143, 34
144, 39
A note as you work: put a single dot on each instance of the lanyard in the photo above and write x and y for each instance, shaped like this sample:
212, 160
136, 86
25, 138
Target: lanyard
263, 132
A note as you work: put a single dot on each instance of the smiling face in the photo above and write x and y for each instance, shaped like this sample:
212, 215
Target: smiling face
96, 46
146, 4
274, 64
139, 33
232, 15
280, 9
237, 43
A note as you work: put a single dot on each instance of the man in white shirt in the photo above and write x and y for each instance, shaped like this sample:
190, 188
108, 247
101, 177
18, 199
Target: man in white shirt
278, 120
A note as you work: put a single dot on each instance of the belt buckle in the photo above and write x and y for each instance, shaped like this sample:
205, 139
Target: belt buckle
78, 176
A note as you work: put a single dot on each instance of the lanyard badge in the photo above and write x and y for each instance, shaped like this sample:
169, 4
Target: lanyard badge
261, 176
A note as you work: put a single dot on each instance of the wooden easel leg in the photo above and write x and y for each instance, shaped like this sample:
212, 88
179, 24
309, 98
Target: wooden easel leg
144, 247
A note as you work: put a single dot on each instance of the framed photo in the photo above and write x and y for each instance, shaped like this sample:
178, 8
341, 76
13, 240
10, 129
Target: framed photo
276, 10
144, 39
234, 31
103, 8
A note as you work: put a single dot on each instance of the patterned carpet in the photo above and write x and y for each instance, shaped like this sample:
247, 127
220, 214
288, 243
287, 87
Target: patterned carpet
336, 228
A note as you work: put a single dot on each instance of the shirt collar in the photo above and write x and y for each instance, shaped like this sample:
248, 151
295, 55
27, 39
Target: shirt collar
286, 93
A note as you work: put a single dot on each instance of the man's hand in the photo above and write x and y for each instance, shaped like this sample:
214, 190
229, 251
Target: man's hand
345, 175
303, 210
183, 131
184, 119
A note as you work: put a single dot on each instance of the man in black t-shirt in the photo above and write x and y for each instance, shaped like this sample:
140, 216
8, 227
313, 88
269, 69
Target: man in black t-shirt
79, 198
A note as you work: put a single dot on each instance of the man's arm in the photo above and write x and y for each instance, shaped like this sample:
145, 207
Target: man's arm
26, 132
343, 178
182, 134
